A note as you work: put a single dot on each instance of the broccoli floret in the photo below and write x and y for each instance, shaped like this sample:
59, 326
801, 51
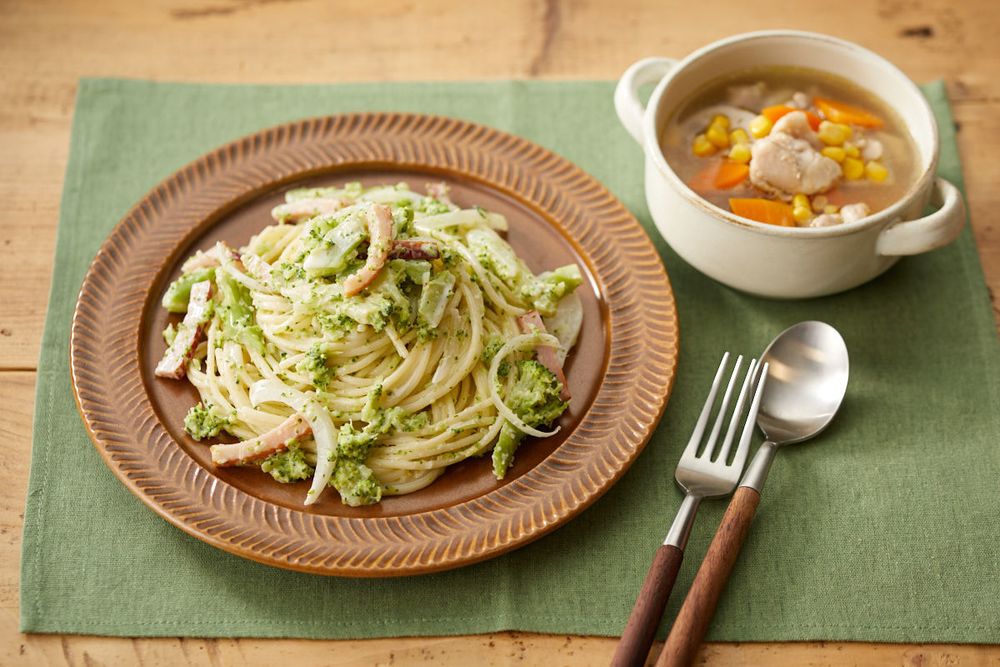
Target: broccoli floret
356, 483
503, 451
202, 422
535, 399
317, 366
545, 291
288, 466
175, 299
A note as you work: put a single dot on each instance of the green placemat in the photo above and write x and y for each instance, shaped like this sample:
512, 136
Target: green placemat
886, 528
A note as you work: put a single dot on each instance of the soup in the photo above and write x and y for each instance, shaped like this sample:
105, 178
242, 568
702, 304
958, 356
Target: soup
791, 146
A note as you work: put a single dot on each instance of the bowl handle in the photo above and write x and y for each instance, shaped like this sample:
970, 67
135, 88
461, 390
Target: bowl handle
932, 231
630, 109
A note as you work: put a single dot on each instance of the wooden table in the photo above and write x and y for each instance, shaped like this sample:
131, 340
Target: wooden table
46, 45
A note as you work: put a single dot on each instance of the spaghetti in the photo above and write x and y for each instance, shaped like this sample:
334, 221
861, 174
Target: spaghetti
370, 338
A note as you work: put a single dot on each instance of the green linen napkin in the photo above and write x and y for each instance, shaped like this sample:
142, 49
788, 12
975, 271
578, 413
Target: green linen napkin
885, 528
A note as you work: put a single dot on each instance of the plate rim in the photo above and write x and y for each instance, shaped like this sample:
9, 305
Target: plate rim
189, 201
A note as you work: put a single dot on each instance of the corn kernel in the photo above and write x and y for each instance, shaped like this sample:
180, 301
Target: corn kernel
853, 168
833, 134
876, 171
722, 121
800, 201
852, 151
760, 126
819, 202
835, 153
831, 209
802, 214
740, 153
739, 136
717, 135
702, 147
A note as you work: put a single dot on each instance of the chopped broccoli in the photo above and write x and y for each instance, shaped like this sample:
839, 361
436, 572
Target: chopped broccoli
175, 299
414, 422
490, 348
202, 422
432, 206
545, 291
317, 366
352, 443
288, 466
402, 218
535, 399
337, 324
356, 483
237, 310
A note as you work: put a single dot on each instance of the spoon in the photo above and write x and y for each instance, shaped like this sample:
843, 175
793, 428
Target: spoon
806, 383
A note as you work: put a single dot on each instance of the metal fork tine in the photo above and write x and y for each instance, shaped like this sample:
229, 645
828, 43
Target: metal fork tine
699, 429
727, 443
714, 436
744, 446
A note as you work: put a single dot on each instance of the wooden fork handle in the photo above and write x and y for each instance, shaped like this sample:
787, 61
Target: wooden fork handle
699, 605
648, 610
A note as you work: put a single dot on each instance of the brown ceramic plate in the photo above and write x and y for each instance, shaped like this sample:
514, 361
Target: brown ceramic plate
621, 372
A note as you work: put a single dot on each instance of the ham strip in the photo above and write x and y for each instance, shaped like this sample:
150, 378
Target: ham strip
414, 249
174, 362
307, 208
259, 448
547, 355
379, 243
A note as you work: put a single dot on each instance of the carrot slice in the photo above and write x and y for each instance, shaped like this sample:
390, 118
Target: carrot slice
841, 112
730, 174
778, 110
719, 176
763, 210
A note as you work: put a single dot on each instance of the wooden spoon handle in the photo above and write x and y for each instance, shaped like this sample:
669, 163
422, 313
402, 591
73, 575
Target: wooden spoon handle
648, 610
699, 605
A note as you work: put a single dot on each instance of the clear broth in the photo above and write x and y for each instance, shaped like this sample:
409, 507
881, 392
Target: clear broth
899, 153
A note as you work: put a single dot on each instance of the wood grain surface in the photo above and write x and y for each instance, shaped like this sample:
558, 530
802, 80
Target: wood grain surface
46, 45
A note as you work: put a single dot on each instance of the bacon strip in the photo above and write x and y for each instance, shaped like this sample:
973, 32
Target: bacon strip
380, 232
307, 208
209, 258
174, 362
259, 448
547, 355
414, 249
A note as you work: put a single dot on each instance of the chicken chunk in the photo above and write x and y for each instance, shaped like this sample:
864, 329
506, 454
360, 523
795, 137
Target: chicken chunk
796, 124
853, 212
849, 213
784, 166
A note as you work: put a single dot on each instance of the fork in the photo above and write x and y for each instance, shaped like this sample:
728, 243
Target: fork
701, 475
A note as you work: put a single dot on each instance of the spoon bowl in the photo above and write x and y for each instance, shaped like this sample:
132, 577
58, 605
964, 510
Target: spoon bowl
806, 382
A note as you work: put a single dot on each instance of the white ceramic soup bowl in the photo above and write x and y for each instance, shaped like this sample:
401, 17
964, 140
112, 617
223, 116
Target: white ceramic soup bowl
787, 262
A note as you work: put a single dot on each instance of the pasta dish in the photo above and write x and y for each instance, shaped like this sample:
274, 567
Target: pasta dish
368, 339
